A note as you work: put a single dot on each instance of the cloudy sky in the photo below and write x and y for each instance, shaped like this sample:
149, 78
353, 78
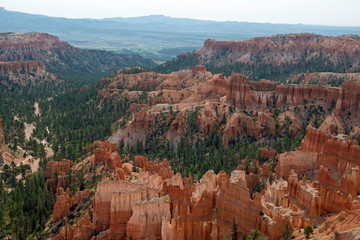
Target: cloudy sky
322, 12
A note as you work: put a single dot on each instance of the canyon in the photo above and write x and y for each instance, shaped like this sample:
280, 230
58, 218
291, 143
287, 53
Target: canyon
149, 201
216, 97
24, 50
188, 154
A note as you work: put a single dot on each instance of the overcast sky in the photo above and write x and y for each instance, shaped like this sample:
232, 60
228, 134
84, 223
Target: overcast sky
322, 12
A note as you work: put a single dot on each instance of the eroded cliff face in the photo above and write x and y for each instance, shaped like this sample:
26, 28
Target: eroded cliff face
58, 173
281, 50
27, 46
155, 204
26, 72
64, 201
147, 201
60, 57
240, 107
324, 78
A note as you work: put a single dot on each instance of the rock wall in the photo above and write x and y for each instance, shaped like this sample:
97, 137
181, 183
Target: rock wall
246, 94
25, 46
60, 167
21, 66
198, 69
64, 202
281, 49
338, 153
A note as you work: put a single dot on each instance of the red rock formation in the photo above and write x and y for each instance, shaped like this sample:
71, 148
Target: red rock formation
280, 49
299, 161
23, 46
60, 167
112, 159
324, 78
265, 153
206, 121
220, 84
142, 119
82, 232
21, 66
337, 153
198, 69
162, 168
106, 152
240, 94
134, 107
346, 224
147, 218
64, 202
114, 202
241, 124
105, 145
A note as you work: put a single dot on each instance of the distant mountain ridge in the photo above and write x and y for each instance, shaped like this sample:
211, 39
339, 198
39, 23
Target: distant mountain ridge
61, 58
149, 35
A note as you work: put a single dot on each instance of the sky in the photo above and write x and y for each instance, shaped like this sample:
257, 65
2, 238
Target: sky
315, 12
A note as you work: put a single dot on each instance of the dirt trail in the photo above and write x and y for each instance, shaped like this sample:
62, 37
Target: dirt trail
29, 129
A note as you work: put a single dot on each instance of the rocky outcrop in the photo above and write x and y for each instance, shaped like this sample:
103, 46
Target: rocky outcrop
58, 174
147, 218
59, 167
336, 186
162, 168
105, 152
338, 153
21, 67
240, 125
24, 46
114, 201
198, 69
265, 153
324, 78
281, 50
240, 93
64, 202
340, 226
82, 232
59, 56
299, 161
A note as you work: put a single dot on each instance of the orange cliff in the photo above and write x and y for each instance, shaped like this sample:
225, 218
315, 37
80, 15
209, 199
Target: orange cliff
106, 152
57, 173
272, 94
334, 161
217, 96
21, 66
23, 46
282, 49
338, 153
64, 202
157, 204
